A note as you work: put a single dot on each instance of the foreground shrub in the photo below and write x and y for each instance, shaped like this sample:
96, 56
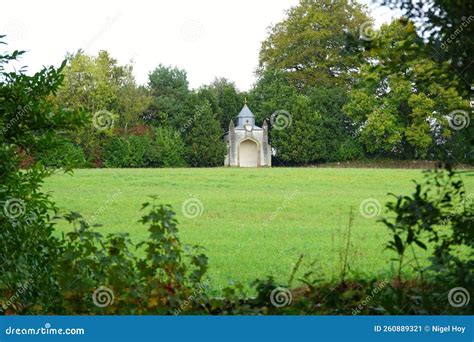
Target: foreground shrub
27, 125
438, 216
104, 275
80, 272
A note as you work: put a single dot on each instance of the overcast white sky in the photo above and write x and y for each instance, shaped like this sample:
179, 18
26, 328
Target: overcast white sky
207, 38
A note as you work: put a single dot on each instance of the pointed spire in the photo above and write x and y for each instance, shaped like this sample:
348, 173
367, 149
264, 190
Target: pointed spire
265, 124
231, 126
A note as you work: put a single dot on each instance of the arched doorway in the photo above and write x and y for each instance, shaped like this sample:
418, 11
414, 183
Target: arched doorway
248, 153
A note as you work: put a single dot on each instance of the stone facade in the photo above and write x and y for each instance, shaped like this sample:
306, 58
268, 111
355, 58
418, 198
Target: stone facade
247, 144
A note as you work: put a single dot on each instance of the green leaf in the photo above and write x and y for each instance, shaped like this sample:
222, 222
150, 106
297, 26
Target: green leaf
399, 244
421, 244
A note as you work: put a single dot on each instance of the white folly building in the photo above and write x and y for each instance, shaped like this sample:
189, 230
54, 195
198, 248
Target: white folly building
247, 144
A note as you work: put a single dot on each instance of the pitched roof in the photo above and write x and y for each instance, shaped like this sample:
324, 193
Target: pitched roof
245, 112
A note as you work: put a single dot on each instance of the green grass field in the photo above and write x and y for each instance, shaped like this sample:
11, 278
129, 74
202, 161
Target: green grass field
254, 222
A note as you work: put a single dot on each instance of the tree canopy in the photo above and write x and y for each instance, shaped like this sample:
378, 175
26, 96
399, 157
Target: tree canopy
343, 96
448, 26
403, 97
314, 44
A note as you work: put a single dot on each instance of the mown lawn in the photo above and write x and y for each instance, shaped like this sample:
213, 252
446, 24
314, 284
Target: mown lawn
254, 222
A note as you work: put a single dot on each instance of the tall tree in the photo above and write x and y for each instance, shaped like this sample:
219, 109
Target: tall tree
295, 121
404, 97
132, 104
335, 130
229, 100
171, 95
449, 26
104, 89
313, 44
293, 134
90, 83
272, 92
205, 140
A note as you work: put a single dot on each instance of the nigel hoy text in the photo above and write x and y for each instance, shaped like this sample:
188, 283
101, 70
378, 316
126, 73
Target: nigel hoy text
448, 328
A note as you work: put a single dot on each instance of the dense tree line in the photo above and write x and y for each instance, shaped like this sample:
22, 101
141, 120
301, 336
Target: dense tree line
344, 91
42, 272
90, 110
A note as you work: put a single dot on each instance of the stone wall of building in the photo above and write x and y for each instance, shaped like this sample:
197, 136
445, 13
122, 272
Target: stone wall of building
258, 135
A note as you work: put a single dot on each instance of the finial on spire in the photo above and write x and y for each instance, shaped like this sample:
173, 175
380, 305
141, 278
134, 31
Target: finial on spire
245, 100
